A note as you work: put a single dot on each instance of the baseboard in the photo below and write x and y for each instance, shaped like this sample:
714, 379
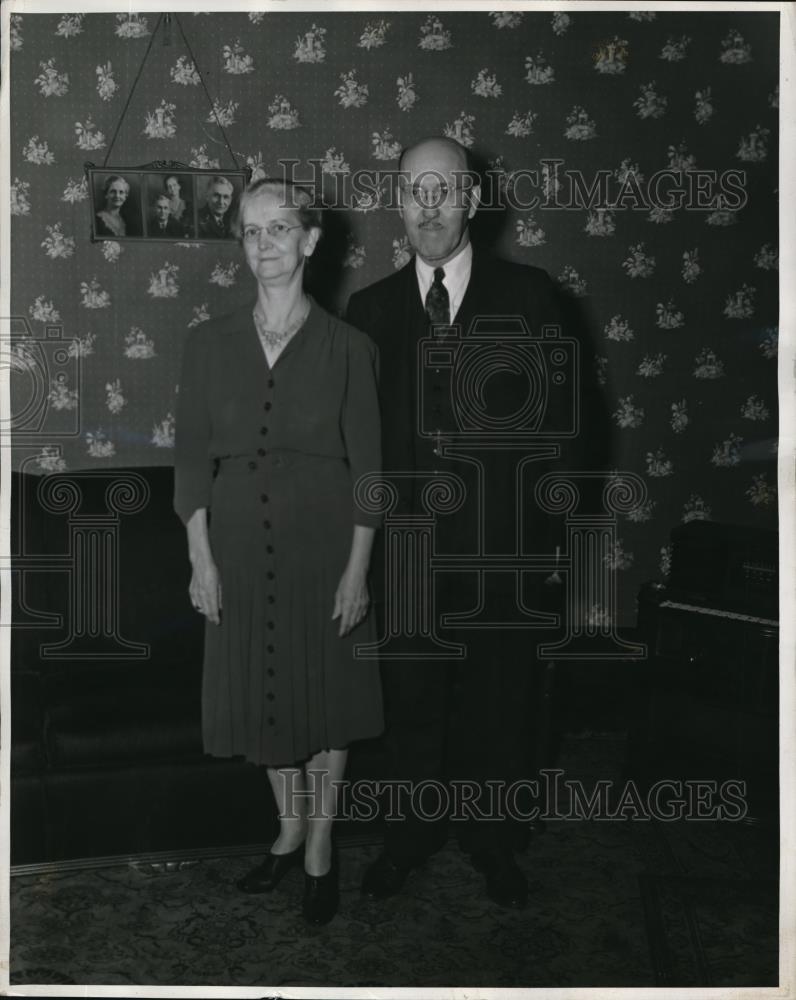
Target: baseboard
176, 859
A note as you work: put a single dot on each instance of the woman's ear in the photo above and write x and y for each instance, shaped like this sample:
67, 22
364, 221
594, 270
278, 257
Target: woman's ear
312, 241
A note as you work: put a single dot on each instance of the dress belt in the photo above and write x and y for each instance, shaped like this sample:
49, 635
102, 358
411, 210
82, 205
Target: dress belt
221, 459
288, 454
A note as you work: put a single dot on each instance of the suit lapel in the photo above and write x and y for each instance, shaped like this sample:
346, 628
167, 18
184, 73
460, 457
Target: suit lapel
476, 294
413, 325
403, 322
394, 319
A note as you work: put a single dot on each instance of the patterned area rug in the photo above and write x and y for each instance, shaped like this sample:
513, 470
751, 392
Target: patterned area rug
710, 932
126, 926
711, 898
611, 904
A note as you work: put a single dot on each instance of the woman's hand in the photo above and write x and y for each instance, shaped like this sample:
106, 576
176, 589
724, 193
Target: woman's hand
205, 589
351, 600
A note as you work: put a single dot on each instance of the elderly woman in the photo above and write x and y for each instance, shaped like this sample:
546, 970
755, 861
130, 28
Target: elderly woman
282, 397
109, 221
177, 204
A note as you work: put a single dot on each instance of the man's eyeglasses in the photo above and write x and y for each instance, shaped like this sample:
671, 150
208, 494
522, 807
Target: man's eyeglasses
276, 230
432, 196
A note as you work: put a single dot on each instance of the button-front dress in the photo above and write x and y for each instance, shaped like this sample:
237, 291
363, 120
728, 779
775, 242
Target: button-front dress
274, 453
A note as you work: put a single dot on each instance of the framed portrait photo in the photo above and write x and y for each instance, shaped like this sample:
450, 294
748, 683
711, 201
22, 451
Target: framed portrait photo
165, 200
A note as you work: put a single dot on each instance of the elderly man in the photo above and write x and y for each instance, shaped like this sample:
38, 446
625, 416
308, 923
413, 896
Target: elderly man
214, 217
470, 720
162, 226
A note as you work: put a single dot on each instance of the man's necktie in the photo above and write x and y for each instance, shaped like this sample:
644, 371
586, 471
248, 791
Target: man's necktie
437, 300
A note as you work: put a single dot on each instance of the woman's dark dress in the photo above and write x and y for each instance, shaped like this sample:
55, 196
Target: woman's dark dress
279, 684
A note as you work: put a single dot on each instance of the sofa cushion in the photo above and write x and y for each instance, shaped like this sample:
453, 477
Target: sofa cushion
29, 820
106, 714
133, 734
168, 806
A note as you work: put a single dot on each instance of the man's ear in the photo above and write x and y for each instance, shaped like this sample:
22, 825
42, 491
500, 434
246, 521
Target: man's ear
474, 200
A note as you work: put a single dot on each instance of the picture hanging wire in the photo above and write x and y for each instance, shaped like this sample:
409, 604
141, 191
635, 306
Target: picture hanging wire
165, 20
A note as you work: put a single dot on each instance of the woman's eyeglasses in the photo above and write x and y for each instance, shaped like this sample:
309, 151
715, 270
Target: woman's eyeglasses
276, 230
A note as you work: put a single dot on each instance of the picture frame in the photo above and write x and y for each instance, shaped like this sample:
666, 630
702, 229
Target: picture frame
164, 201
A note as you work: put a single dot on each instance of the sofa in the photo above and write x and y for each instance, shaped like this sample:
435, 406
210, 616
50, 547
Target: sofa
106, 654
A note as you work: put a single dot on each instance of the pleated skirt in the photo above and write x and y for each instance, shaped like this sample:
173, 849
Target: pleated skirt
279, 683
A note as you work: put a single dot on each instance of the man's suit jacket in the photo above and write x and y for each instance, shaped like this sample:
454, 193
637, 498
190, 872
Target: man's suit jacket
173, 230
209, 227
390, 311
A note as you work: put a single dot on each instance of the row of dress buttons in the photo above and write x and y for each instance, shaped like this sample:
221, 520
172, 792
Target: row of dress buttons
266, 407
270, 575
264, 430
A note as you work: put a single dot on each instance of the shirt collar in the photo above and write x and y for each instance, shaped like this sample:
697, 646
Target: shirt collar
456, 269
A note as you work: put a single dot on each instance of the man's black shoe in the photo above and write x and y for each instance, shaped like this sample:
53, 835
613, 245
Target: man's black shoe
505, 883
385, 877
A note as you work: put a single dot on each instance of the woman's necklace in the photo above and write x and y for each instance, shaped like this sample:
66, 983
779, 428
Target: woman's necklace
276, 338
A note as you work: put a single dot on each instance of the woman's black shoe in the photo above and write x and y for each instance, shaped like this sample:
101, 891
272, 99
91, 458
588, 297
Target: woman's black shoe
321, 896
267, 876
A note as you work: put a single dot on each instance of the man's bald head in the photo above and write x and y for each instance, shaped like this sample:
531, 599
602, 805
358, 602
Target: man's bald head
438, 146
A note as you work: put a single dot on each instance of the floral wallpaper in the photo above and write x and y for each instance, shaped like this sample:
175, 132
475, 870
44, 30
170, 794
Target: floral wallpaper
679, 291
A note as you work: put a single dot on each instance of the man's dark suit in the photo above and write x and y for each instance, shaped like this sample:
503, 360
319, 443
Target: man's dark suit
209, 227
471, 721
173, 230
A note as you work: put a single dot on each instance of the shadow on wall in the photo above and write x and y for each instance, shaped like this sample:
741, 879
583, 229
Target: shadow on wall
596, 447
324, 272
